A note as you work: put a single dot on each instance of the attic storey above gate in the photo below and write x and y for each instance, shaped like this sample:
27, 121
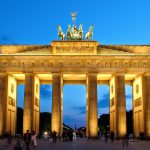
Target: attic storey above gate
74, 47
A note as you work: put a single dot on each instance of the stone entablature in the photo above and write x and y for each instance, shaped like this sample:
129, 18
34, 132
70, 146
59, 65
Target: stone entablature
74, 47
54, 63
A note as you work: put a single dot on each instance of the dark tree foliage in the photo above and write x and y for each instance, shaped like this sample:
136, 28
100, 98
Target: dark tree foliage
45, 121
129, 122
103, 122
19, 124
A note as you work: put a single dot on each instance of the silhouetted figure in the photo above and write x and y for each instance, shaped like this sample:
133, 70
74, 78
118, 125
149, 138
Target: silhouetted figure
125, 140
106, 136
54, 136
9, 138
27, 139
142, 135
112, 136
70, 135
99, 135
18, 145
33, 139
63, 135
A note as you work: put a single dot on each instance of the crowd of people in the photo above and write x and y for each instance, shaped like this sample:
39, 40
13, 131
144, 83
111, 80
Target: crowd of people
30, 139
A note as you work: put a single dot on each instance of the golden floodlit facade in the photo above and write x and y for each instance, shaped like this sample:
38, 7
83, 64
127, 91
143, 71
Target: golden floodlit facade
75, 62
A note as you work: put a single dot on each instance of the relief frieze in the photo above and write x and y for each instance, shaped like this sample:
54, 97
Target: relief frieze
72, 62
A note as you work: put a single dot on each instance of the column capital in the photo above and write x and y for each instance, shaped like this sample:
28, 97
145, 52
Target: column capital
56, 73
119, 74
3, 74
28, 73
146, 74
92, 73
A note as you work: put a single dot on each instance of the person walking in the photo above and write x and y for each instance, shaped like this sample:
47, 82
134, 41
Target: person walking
106, 136
9, 138
63, 135
112, 136
54, 136
27, 139
99, 135
18, 145
125, 140
34, 140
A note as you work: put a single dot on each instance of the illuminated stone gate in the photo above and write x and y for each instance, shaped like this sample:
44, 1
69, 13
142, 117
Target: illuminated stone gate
84, 62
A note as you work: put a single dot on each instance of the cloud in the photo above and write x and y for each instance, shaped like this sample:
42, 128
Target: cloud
80, 109
46, 92
103, 101
129, 96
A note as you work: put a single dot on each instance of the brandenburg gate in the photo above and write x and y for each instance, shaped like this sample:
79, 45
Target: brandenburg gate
75, 61
84, 62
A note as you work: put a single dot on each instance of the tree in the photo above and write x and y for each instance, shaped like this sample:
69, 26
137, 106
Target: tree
103, 122
45, 121
19, 124
129, 121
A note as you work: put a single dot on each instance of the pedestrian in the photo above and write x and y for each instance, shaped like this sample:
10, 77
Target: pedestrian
142, 135
99, 134
27, 139
54, 136
63, 135
34, 140
112, 136
9, 138
106, 136
125, 140
18, 145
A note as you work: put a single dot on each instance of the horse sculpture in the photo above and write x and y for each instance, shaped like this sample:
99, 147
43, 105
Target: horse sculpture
80, 31
89, 34
68, 34
61, 35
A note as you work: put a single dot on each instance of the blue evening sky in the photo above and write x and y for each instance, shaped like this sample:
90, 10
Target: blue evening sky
35, 21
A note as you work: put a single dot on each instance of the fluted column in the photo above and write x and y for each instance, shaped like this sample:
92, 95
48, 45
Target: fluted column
91, 106
117, 105
28, 103
8, 105
31, 103
3, 93
56, 123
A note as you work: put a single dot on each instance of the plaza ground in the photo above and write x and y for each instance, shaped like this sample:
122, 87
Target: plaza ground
83, 144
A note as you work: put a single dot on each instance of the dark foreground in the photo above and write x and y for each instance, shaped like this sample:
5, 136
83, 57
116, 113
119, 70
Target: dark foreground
82, 144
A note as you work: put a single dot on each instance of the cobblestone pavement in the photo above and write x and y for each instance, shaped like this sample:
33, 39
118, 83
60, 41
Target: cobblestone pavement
83, 144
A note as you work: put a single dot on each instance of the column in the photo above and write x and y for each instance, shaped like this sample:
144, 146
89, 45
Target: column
117, 105
91, 106
3, 93
141, 105
8, 105
56, 123
31, 103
